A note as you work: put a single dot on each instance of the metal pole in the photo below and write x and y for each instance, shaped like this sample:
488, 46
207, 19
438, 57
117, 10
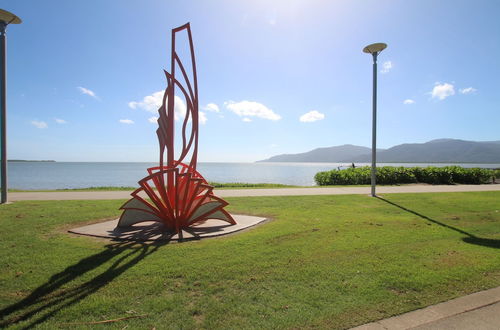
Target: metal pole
374, 125
3, 96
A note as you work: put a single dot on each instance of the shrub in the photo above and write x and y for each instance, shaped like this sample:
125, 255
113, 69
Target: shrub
322, 178
436, 175
398, 175
395, 175
476, 176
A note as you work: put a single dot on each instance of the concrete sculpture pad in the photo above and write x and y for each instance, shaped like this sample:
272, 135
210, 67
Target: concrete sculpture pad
154, 231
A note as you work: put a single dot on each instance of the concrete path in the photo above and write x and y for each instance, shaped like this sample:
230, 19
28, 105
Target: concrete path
478, 311
152, 231
93, 195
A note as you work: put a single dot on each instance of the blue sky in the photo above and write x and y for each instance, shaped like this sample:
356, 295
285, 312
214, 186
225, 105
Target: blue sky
285, 76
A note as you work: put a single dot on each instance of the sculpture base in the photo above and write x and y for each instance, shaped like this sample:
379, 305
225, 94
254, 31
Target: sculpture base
154, 231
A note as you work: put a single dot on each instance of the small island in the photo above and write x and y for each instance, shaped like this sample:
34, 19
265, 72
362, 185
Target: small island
23, 161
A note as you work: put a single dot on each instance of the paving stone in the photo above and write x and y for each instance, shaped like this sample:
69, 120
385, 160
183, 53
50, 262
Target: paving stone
153, 231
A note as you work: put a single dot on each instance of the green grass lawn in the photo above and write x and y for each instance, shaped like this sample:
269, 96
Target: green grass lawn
322, 262
231, 185
218, 186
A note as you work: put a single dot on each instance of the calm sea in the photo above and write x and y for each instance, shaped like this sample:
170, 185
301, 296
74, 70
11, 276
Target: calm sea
60, 175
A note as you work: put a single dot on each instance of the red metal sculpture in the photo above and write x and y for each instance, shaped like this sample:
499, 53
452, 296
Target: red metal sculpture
180, 196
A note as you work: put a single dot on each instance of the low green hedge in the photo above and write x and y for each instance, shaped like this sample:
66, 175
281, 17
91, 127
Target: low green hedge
398, 175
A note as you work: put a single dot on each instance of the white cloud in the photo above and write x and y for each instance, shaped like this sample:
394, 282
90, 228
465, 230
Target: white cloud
311, 116
149, 103
408, 101
386, 67
211, 107
442, 91
468, 90
251, 109
153, 102
247, 120
202, 117
88, 92
60, 121
39, 124
126, 121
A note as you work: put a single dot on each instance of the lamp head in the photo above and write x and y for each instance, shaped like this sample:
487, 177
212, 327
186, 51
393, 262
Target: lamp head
9, 18
375, 48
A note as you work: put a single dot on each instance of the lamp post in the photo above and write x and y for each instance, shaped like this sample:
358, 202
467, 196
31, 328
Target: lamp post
6, 18
374, 49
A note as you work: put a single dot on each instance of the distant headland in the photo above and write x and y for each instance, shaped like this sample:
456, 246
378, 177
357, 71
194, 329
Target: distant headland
24, 160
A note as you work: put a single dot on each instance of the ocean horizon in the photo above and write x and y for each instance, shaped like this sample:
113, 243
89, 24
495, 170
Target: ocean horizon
38, 175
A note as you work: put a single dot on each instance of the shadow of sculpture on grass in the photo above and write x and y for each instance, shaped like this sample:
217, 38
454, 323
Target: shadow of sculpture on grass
64, 289
156, 231
470, 238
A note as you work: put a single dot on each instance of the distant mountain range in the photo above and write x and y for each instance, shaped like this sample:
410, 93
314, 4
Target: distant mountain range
435, 151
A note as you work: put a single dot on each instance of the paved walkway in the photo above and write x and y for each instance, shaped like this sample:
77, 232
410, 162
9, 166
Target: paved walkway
92, 195
478, 311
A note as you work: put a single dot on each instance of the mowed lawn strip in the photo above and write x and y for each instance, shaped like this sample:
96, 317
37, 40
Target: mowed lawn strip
323, 261
233, 185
